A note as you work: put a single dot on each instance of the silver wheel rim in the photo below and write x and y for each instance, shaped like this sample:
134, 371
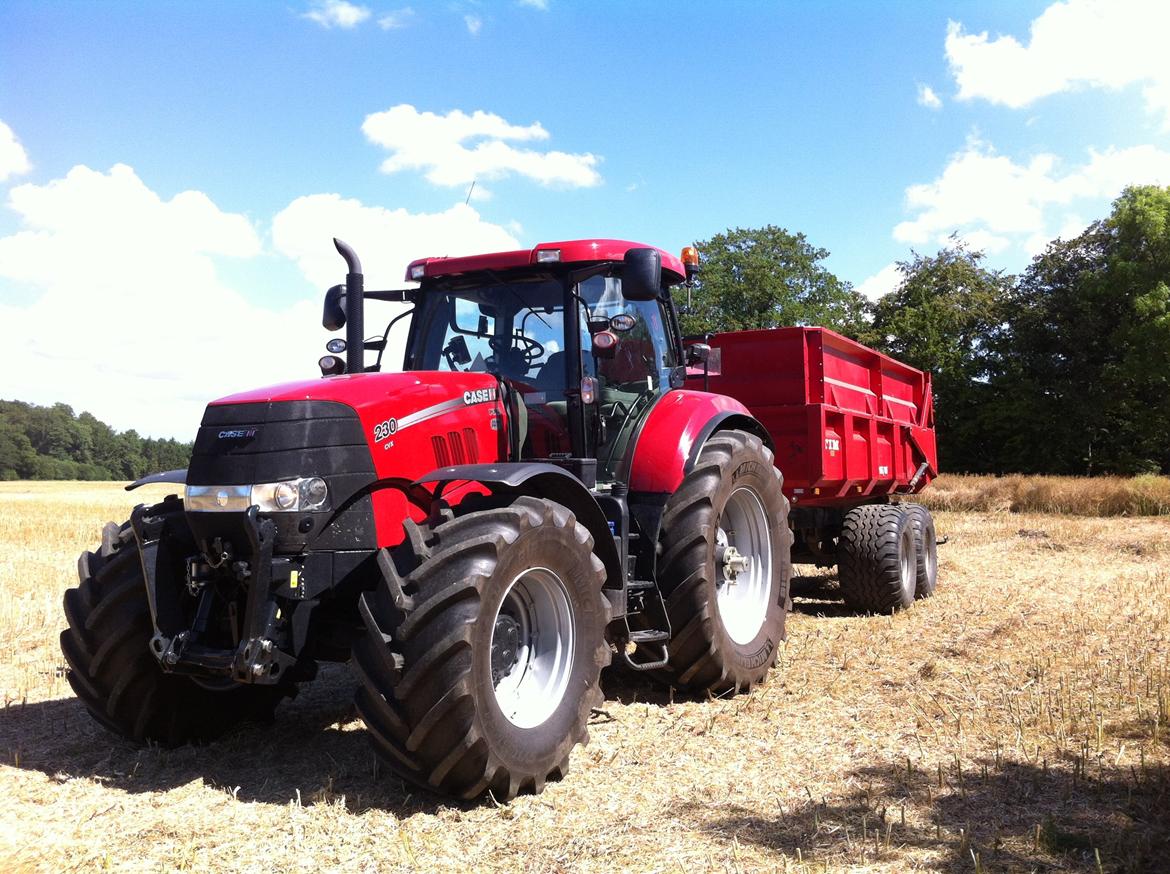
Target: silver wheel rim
908, 566
930, 555
742, 597
532, 647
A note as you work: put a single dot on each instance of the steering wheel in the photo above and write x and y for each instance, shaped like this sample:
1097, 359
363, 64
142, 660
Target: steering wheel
531, 349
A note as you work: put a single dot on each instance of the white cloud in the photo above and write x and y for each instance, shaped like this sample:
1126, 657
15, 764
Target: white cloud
881, 283
542, 5
992, 201
13, 158
337, 13
132, 320
397, 18
927, 97
474, 24
457, 148
385, 240
1079, 43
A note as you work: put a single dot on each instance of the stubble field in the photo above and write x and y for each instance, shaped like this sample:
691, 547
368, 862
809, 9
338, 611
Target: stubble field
1015, 722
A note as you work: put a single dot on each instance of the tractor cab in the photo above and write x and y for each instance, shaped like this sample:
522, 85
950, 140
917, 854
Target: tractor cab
580, 360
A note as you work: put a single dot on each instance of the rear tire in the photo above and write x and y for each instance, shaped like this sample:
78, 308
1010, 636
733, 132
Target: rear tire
480, 668
111, 667
725, 633
876, 558
925, 550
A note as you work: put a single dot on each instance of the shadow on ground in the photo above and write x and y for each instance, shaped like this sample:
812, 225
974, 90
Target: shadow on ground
819, 595
305, 750
1009, 817
315, 746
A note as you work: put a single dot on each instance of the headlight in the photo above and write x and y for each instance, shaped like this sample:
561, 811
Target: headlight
288, 496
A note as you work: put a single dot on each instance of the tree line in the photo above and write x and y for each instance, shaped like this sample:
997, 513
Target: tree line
1062, 369
54, 443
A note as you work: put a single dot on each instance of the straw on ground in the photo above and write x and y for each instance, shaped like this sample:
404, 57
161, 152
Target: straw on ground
1017, 721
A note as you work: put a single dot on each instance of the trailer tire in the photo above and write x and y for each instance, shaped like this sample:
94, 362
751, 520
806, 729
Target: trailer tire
876, 558
925, 550
112, 669
724, 638
451, 661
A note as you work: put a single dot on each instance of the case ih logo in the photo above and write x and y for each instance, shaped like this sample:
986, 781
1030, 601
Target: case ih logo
239, 434
480, 396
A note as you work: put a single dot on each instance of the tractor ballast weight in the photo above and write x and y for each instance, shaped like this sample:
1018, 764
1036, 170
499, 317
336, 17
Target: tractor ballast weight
551, 482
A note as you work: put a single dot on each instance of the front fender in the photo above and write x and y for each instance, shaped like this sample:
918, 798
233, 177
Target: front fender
548, 481
675, 431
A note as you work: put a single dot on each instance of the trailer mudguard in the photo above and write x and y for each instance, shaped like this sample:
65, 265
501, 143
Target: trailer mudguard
543, 480
674, 434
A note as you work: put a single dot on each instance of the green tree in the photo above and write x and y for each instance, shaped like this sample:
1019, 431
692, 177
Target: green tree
52, 443
765, 278
941, 318
1087, 349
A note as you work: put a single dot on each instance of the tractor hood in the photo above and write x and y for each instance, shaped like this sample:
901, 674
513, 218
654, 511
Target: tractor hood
362, 433
410, 422
365, 392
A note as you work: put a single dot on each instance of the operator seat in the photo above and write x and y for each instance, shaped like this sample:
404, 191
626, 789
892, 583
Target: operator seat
551, 376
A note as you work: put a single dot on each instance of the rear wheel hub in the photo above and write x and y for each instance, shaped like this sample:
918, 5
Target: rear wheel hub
505, 638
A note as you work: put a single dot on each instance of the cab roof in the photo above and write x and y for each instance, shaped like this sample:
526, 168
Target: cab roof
571, 252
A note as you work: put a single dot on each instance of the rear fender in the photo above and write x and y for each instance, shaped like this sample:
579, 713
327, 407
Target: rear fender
675, 431
542, 481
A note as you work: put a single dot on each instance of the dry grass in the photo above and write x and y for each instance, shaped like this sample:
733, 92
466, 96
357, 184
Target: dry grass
1072, 495
1017, 721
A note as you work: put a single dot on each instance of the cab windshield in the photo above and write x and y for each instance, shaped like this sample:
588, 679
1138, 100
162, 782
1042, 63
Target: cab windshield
519, 330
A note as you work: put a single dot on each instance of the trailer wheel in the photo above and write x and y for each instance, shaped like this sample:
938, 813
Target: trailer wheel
112, 669
724, 565
479, 669
925, 550
876, 558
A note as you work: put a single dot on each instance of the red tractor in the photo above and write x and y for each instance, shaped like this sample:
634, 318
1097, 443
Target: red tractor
556, 478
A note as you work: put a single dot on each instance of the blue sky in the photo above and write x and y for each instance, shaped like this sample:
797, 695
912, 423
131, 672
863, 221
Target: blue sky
170, 174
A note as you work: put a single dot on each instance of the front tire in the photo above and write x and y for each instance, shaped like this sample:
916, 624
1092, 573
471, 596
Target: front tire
111, 667
727, 623
480, 668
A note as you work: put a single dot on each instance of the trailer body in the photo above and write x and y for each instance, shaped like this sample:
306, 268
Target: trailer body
849, 424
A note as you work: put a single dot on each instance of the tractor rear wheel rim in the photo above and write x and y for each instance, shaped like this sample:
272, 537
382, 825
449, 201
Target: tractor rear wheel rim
743, 600
537, 615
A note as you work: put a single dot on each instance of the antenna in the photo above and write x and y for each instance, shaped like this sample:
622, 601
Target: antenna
469, 190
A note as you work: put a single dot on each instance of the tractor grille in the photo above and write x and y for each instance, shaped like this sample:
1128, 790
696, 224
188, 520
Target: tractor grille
241, 444
455, 448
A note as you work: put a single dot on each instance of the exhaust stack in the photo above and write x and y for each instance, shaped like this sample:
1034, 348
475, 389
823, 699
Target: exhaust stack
354, 309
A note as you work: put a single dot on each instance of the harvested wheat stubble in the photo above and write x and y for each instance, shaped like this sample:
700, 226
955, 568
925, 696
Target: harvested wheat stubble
1071, 495
1018, 718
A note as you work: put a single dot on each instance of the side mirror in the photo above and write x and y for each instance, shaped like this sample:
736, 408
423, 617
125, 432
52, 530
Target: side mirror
697, 353
333, 318
457, 350
642, 274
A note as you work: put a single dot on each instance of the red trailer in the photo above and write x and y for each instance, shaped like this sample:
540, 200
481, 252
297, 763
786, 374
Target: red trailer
848, 423
851, 428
